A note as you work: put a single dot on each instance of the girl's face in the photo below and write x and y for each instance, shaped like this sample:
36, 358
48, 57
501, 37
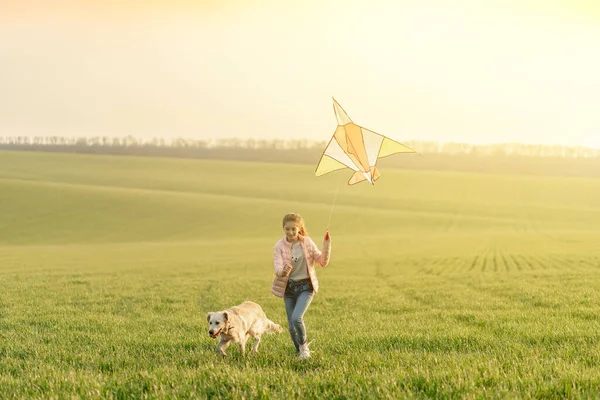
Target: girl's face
291, 231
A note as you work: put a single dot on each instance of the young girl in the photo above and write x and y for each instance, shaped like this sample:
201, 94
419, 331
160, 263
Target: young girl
295, 280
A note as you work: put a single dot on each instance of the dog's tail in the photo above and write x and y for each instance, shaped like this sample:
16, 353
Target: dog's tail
272, 327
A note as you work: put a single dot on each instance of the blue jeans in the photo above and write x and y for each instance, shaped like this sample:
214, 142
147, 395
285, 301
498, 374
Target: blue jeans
295, 307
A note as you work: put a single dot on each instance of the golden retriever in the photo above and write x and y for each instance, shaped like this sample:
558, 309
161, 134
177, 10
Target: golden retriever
238, 324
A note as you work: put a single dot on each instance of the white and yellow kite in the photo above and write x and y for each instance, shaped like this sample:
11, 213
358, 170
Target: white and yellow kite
357, 148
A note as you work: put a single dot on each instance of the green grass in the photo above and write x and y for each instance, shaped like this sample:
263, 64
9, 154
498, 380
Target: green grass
441, 285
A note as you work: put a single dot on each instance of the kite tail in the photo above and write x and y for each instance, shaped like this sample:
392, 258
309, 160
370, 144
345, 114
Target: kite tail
333, 204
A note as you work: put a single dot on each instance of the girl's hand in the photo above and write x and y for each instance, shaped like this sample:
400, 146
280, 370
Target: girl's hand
287, 268
327, 235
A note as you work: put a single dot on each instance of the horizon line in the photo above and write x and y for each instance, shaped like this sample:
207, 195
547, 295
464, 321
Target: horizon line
144, 138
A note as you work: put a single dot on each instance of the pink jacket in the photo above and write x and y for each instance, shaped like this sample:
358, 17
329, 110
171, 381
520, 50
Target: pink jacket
282, 255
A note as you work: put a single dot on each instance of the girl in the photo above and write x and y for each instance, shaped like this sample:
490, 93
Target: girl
295, 280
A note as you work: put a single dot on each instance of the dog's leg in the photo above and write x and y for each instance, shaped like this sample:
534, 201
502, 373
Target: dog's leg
242, 343
256, 343
222, 346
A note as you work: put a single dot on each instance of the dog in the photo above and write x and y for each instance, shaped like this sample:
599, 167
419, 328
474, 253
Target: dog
239, 323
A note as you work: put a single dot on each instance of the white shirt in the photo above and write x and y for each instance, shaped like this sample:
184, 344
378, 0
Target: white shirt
299, 269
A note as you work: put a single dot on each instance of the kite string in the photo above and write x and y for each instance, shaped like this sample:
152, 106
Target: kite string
333, 204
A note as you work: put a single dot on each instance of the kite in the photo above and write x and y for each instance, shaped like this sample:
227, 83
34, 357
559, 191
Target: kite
357, 148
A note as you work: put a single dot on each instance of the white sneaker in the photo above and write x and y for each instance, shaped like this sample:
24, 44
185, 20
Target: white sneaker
304, 352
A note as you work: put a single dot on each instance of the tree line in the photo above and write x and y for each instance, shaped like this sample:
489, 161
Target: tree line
497, 158
133, 145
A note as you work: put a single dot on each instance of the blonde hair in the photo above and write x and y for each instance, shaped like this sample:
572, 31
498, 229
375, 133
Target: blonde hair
298, 220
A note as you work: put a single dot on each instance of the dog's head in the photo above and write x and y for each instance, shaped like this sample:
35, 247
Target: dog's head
218, 323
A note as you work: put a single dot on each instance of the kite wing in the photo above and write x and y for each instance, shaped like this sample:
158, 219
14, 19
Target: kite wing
357, 148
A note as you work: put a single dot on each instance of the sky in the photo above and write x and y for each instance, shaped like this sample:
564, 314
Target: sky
485, 71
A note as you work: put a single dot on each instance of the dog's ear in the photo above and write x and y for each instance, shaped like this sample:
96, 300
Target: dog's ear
208, 317
226, 316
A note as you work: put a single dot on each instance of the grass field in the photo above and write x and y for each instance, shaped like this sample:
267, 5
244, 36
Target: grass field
441, 285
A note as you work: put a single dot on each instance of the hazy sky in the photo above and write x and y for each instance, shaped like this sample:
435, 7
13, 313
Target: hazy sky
449, 70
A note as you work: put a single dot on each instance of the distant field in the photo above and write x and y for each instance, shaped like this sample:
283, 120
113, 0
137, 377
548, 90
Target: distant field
441, 284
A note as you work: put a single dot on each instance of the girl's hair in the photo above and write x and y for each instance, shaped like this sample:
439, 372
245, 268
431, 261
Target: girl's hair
298, 220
